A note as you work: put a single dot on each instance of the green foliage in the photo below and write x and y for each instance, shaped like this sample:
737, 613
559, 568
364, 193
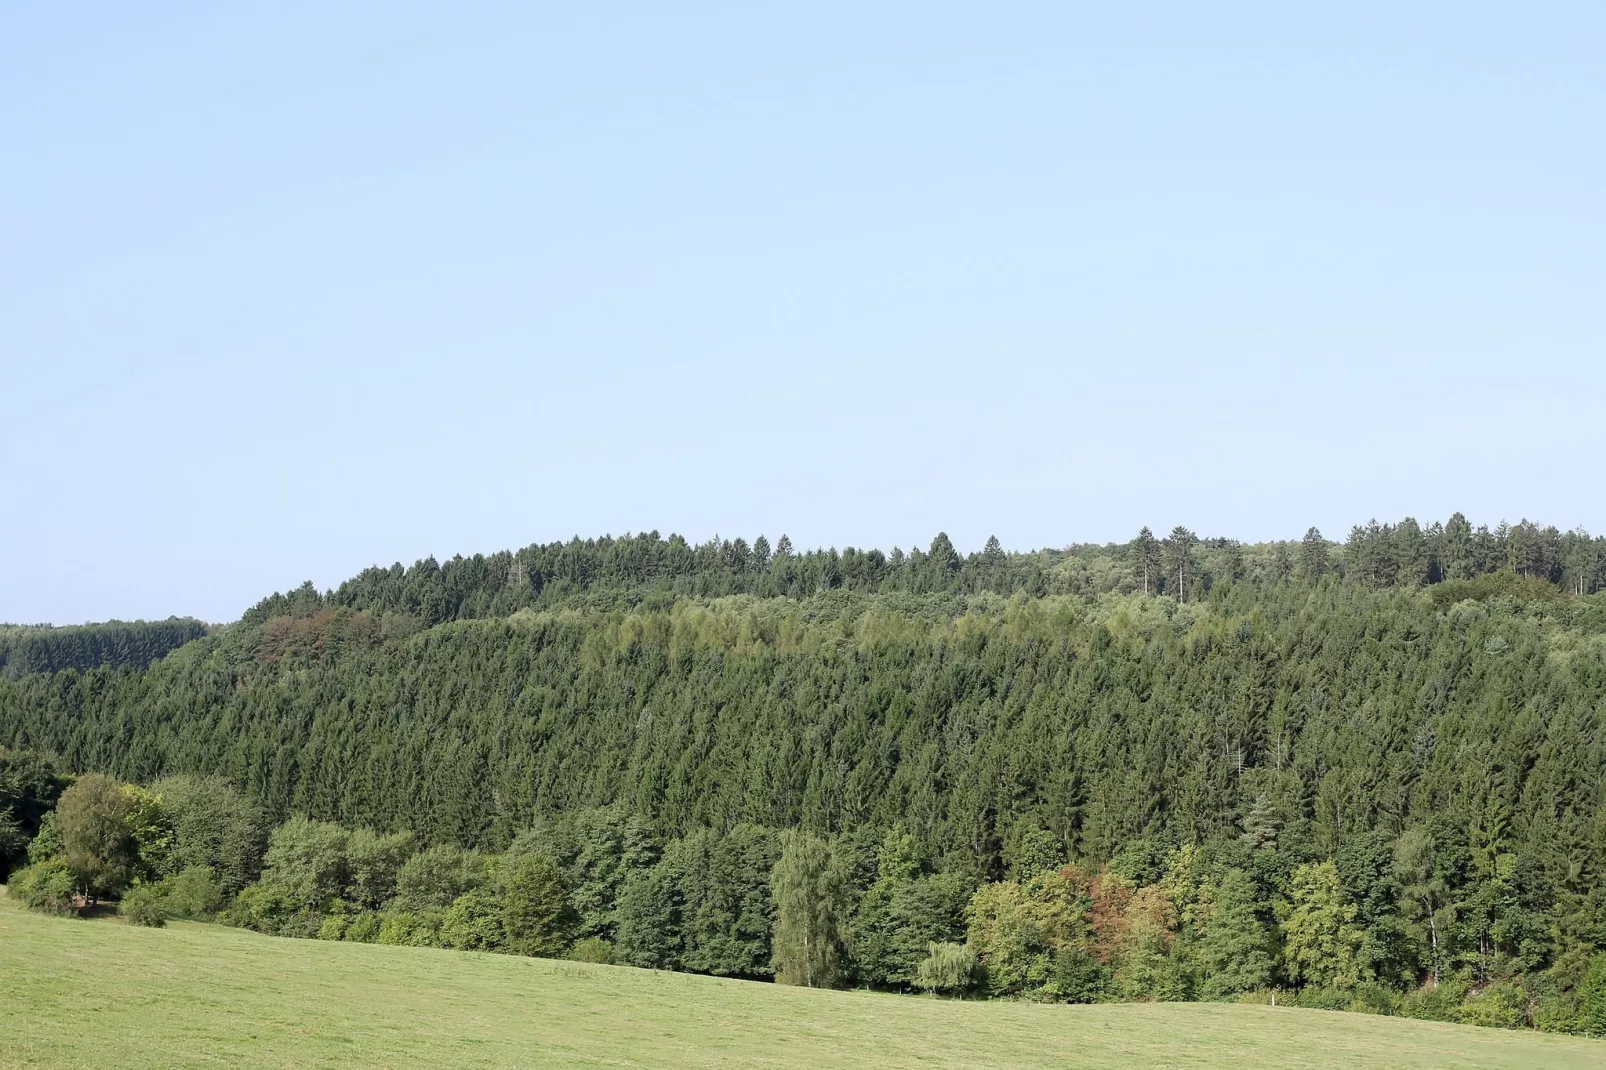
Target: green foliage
948, 968
1422, 890
899, 919
307, 861
1503, 1006
363, 928
1001, 929
408, 929
592, 949
194, 893
144, 904
266, 907
1077, 976
598, 849
724, 901
1591, 1006
535, 909
13, 843
115, 644
650, 921
808, 889
1235, 949
436, 876
1031, 849
48, 844
474, 922
45, 886
151, 827
213, 826
94, 816
30, 784
372, 864
1321, 943
1434, 1003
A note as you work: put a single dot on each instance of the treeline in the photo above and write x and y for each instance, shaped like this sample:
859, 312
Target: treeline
114, 644
1128, 716
1415, 925
1070, 755
608, 572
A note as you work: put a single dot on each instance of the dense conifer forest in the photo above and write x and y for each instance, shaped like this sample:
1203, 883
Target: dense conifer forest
115, 644
1368, 774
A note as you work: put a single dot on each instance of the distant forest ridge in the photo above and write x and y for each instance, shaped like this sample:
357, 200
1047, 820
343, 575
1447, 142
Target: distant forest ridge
1180, 564
117, 644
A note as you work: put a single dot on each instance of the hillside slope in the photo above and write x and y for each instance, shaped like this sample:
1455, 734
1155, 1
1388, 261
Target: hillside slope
102, 993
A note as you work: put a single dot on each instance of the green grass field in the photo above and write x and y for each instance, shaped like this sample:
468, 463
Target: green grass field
105, 994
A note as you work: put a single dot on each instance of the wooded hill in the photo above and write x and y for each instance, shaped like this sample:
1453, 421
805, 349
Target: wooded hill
116, 644
1419, 708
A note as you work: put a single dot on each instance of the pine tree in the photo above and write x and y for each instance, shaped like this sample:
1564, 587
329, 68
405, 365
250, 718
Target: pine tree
1261, 825
1179, 565
1456, 560
1313, 555
1148, 560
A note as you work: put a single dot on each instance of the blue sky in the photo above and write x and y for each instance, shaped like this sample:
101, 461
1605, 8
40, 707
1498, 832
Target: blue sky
288, 291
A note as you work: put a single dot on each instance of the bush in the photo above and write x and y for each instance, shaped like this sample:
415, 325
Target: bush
44, 886
1077, 977
267, 908
947, 968
143, 905
436, 876
474, 923
408, 929
592, 949
1591, 1012
364, 928
334, 927
1502, 1006
1325, 999
1433, 1004
194, 893
1373, 998
48, 843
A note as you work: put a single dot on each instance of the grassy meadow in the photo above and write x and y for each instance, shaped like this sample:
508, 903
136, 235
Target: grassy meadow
101, 993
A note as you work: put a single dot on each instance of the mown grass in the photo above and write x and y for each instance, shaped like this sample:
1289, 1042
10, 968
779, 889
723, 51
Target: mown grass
105, 994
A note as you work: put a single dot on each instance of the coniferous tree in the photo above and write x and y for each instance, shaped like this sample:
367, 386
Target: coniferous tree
1179, 560
1147, 550
1313, 555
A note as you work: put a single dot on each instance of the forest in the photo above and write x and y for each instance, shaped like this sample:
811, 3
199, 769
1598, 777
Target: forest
1362, 775
115, 644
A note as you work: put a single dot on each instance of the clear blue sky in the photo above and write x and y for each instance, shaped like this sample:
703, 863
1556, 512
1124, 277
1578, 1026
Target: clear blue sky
288, 291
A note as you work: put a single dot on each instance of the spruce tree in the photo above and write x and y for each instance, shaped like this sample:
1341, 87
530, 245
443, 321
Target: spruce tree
1313, 555
1179, 563
1147, 550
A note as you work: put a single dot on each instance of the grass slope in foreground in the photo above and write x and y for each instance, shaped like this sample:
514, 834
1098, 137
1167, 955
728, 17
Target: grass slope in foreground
102, 993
